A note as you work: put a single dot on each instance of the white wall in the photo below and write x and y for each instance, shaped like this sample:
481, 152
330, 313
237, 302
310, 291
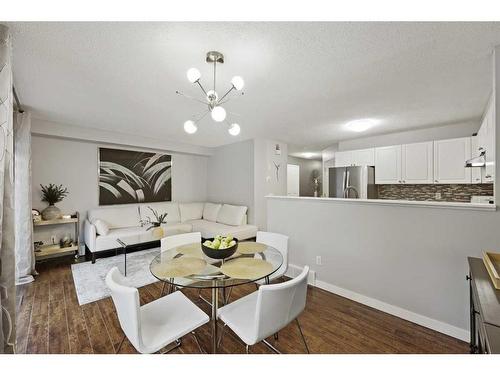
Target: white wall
73, 164
230, 176
265, 180
462, 129
412, 258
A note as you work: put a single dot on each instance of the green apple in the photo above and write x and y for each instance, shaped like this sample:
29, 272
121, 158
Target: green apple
215, 243
207, 243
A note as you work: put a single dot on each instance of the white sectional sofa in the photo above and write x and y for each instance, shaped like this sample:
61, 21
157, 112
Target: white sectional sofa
104, 225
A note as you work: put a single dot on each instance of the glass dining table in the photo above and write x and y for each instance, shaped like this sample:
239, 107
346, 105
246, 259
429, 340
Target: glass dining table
188, 267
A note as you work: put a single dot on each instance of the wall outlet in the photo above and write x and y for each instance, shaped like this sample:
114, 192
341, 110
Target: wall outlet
438, 195
318, 261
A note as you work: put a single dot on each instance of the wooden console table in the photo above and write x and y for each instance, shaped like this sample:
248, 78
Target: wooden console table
484, 310
53, 250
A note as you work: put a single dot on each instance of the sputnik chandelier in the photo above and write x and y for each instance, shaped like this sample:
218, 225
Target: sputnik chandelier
211, 98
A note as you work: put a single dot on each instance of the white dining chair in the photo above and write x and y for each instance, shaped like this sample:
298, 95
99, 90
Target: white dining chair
263, 313
280, 243
157, 324
171, 242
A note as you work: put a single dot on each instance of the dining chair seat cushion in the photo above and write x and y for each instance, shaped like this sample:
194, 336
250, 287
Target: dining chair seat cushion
240, 317
169, 318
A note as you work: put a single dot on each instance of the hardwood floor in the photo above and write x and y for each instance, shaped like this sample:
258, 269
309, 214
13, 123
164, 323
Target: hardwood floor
50, 320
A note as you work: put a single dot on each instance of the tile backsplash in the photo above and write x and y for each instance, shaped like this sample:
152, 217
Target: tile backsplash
449, 192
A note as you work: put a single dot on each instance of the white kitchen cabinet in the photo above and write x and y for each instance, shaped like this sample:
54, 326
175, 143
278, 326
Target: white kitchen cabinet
417, 163
476, 172
343, 158
449, 161
364, 157
486, 141
489, 145
388, 165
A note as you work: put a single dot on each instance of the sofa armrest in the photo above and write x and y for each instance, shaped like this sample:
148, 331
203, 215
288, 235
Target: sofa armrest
90, 235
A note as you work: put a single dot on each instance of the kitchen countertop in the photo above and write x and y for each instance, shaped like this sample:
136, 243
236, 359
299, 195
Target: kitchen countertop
388, 202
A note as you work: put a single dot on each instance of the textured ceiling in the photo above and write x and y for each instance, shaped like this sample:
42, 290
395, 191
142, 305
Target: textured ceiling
304, 81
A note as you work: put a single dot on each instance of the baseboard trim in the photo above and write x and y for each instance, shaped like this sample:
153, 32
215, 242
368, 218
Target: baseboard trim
422, 320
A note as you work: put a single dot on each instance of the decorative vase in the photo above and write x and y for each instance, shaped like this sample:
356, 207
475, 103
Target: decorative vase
158, 232
51, 213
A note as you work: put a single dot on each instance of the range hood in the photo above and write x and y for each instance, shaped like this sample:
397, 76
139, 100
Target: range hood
478, 161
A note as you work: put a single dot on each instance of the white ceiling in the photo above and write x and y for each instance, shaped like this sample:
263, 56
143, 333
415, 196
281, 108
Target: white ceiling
304, 81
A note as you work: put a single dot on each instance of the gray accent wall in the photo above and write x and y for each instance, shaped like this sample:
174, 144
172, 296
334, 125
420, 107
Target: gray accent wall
230, 176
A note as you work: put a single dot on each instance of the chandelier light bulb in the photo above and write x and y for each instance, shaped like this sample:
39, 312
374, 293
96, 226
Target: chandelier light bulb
218, 114
237, 82
190, 127
193, 75
234, 130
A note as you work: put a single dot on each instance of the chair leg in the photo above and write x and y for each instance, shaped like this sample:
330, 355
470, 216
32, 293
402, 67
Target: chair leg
247, 349
276, 336
163, 288
120, 346
228, 296
270, 346
198, 342
178, 343
302, 334
221, 335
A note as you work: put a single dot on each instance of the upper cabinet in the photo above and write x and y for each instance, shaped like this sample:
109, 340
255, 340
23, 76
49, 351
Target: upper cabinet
343, 158
356, 157
364, 157
476, 173
486, 141
417, 163
388, 165
404, 164
449, 161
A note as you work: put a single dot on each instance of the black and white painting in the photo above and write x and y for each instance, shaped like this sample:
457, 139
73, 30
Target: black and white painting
133, 177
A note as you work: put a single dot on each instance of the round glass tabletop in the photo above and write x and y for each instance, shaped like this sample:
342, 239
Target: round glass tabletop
188, 266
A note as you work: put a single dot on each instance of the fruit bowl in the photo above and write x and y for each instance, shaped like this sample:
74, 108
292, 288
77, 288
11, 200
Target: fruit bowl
218, 253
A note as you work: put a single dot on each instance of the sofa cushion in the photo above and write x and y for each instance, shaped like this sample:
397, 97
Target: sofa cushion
102, 228
176, 228
211, 210
231, 215
209, 229
172, 208
191, 211
116, 217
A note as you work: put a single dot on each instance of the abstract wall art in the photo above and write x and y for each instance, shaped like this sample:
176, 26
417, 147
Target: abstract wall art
127, 176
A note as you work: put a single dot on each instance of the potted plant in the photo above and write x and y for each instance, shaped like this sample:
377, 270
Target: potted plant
52, 194
155, 224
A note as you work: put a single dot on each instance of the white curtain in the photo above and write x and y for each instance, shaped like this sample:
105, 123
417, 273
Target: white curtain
7, 262
25, 259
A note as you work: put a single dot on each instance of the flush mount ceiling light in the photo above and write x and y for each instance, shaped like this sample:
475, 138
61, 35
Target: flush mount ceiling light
211, 98
361, 125
308, 155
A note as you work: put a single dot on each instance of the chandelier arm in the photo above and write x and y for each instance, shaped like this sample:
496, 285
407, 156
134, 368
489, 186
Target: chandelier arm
223, 96
202, 116
190, 97
201, 87
228, 99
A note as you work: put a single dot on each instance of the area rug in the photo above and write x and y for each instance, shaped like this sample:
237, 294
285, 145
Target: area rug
90, 278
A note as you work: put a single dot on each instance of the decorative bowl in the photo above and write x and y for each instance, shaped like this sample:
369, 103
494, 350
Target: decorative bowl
218, 253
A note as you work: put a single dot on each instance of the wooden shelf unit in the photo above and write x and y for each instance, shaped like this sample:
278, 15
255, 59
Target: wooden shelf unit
48, 251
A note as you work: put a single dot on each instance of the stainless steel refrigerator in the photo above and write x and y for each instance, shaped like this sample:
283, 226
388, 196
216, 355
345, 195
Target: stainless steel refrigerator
352, 182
